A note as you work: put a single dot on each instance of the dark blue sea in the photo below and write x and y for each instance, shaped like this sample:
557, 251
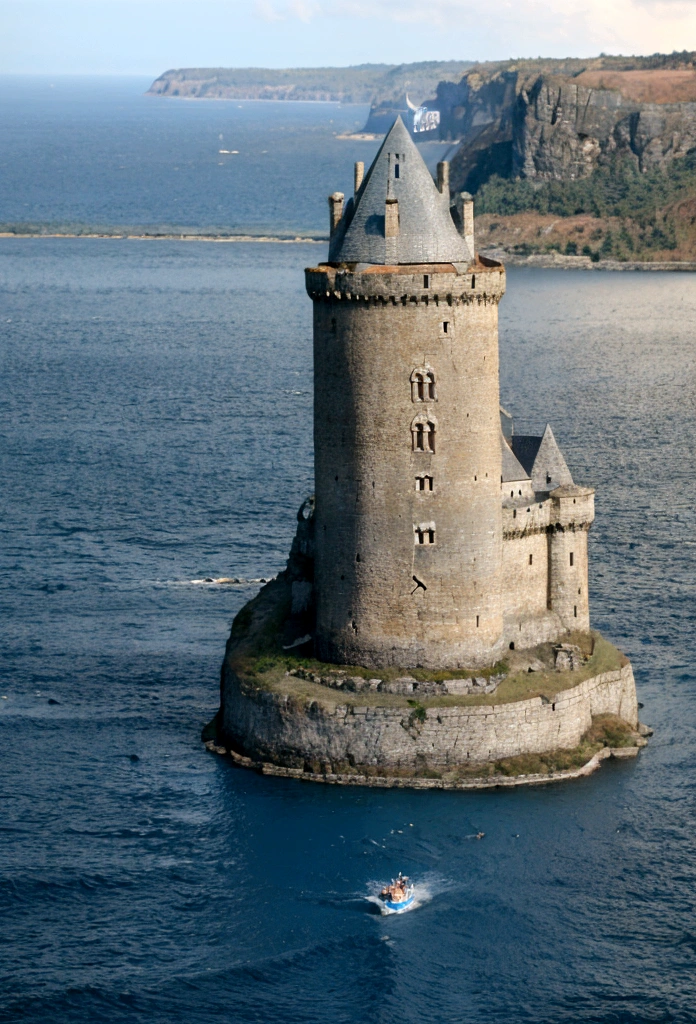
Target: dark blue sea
155, 429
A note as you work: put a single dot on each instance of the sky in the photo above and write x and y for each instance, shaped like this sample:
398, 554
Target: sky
150, 36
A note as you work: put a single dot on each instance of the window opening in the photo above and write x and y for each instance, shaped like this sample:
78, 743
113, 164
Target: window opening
477, 621
531, 558
572, 560
575, 610
424, 483
396, 170
424, 535
445, 327
423, 386
426, 280
423, 436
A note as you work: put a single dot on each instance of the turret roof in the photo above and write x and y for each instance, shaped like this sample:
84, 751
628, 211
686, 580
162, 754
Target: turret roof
542, 459
511, 469
426, 234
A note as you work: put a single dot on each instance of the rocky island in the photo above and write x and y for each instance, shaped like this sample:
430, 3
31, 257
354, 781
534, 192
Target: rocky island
432, 627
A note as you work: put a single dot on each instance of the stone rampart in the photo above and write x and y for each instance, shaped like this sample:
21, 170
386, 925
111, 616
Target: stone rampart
282, 729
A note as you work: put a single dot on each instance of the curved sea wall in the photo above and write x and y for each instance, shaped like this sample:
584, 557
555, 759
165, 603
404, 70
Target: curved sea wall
283, 729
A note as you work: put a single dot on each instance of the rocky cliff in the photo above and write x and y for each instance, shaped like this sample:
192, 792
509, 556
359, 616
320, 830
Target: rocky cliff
561, 120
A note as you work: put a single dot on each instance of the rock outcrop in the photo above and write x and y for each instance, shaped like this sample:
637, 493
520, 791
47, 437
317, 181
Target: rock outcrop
558, 121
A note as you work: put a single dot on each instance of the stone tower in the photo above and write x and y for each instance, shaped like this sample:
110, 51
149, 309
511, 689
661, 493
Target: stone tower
408, 521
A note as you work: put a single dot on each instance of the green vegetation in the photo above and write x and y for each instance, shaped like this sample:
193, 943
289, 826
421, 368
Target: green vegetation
644, 203
419, 713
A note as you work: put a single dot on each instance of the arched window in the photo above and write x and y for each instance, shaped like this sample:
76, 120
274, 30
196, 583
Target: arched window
423, 385
423, 434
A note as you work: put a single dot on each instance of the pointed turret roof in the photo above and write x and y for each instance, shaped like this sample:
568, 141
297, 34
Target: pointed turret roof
426, 232
542, 459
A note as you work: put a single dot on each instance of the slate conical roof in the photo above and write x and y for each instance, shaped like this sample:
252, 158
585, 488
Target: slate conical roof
426, 234
542, 459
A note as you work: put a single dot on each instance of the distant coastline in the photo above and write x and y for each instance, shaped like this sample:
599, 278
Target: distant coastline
544, 261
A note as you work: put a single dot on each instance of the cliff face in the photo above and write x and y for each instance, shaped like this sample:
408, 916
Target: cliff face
561, 123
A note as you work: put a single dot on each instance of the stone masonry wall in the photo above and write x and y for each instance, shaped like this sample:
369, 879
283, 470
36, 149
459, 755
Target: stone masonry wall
381, 597
273, 727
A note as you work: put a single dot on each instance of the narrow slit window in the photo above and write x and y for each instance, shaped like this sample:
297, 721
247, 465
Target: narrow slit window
430, 386
426, 280
424, 483
572, 558
396, 170
531, 559
575, 610
445, 326
477, 621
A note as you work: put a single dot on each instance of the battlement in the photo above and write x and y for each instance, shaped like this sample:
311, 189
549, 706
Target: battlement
446, 284
572, 507
566, 508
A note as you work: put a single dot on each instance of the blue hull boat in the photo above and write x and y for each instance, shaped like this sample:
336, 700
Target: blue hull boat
398, 896
397, 908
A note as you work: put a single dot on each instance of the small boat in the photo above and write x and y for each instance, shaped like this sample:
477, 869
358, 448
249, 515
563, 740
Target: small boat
398, 896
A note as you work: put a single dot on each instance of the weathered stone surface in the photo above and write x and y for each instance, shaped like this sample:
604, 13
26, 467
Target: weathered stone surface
276, 728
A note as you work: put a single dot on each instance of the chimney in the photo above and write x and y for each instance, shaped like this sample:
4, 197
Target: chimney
335, 210
465, 210
359, 174
391, 218
443, 178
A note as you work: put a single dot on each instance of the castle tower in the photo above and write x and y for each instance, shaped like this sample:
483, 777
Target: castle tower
408, 521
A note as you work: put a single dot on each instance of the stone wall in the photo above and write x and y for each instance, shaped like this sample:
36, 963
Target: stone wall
269, 726
381, 597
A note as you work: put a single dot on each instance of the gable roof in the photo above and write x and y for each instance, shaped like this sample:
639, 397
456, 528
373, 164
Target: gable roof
542, 459
426, 234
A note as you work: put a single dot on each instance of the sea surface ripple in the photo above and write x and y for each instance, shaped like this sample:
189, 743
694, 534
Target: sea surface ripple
155, 429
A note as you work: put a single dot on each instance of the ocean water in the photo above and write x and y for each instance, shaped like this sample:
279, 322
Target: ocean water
93, 154
155, 429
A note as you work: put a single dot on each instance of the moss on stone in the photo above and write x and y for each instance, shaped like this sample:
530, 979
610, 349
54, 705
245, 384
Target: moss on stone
262, 628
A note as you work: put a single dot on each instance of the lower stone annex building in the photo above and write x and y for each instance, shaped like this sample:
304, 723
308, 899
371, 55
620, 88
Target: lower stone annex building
439, 544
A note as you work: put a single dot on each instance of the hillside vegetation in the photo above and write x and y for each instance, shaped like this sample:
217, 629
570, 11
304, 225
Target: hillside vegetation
616, 213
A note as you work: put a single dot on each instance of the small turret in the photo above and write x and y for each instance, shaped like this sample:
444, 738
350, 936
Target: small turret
465, 215
443, 178
335, 210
